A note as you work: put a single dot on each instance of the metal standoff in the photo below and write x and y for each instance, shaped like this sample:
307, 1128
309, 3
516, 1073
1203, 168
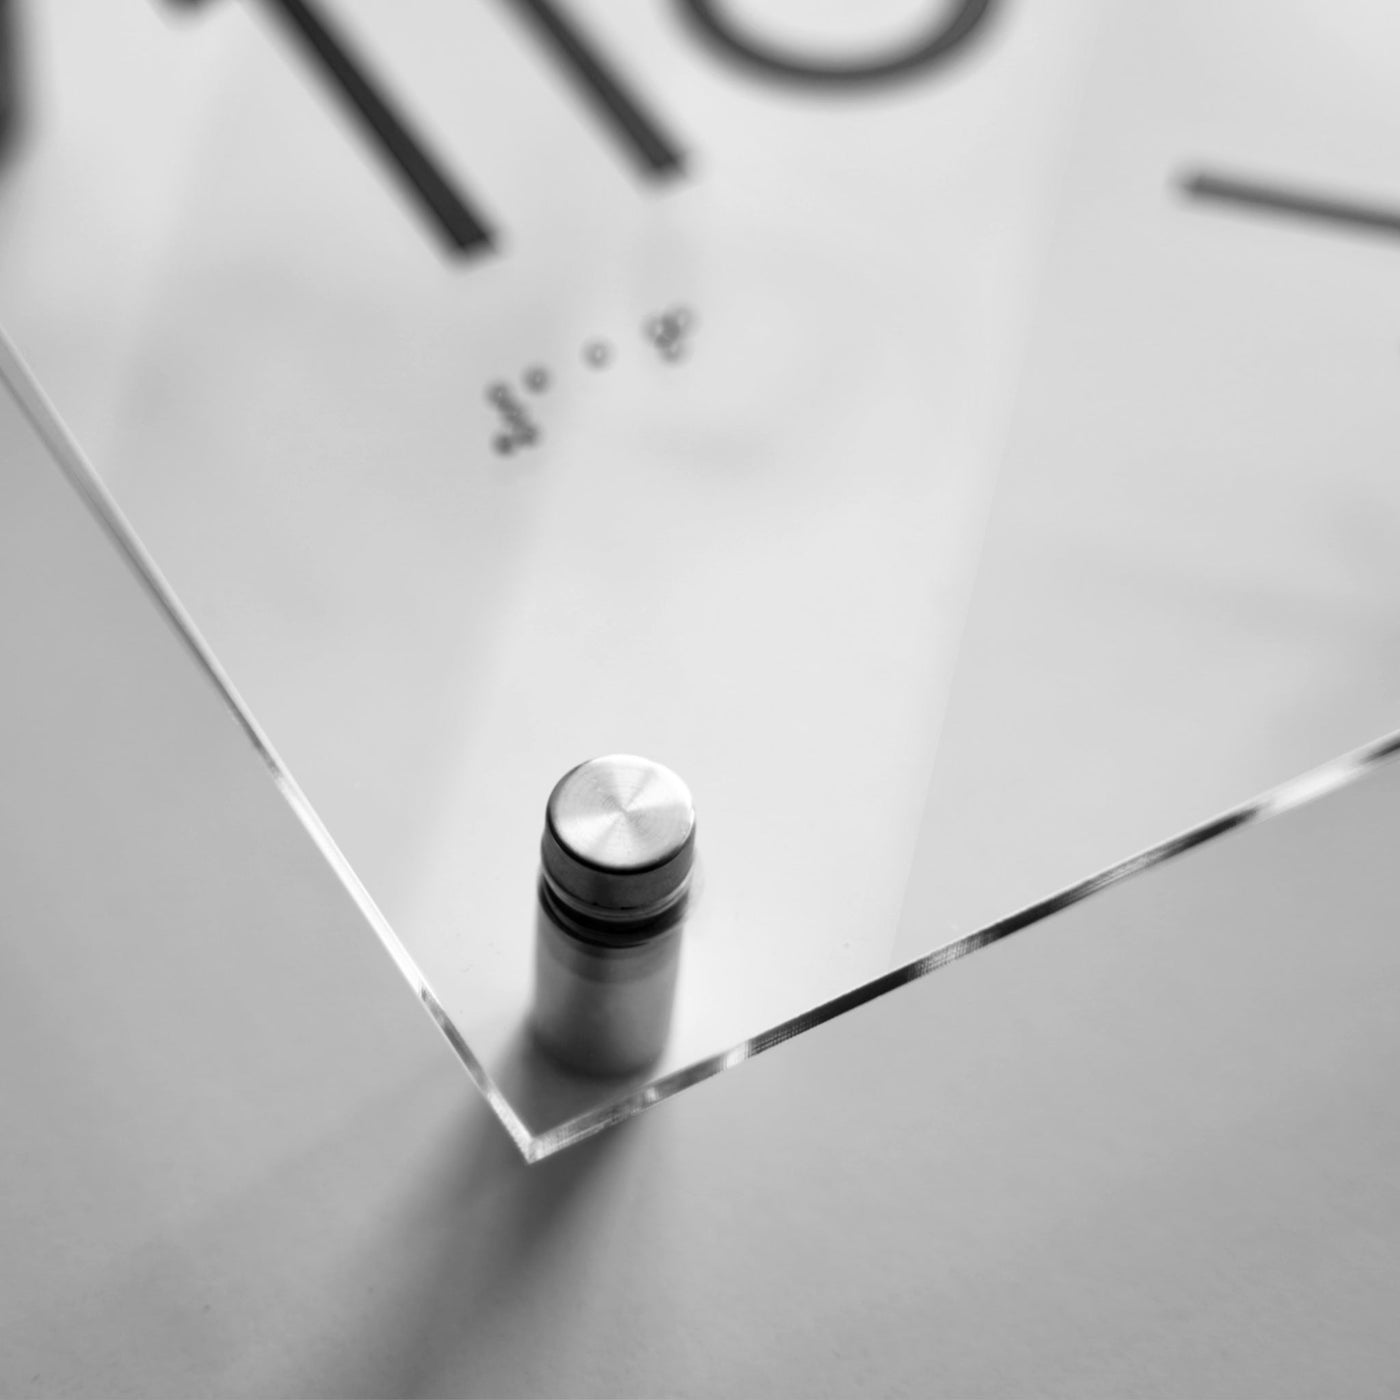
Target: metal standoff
615, 869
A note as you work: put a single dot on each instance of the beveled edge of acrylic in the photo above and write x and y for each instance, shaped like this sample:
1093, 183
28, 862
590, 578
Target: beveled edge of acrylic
1298, 791
1295, 792
34, 404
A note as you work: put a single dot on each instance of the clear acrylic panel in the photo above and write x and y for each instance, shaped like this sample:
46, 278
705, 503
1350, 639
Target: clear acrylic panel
1190, 582
500, 385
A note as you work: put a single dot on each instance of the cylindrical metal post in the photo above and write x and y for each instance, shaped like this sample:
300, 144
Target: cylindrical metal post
616, 860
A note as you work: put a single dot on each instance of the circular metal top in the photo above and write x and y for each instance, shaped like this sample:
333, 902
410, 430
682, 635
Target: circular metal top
619, 836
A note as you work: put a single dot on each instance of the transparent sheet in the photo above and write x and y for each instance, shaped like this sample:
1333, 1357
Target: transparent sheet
1187, 589
679, 444
1191, 579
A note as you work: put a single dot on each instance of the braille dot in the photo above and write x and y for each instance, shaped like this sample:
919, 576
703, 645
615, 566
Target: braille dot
597, 353
536, 379
503, 444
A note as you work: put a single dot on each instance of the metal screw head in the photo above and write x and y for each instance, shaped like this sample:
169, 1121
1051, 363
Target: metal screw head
619, 838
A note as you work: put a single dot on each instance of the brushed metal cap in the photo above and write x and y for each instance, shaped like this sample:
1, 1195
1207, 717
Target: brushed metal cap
619, 837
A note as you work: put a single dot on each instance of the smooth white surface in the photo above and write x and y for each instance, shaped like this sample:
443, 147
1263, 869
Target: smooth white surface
1150, 1147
